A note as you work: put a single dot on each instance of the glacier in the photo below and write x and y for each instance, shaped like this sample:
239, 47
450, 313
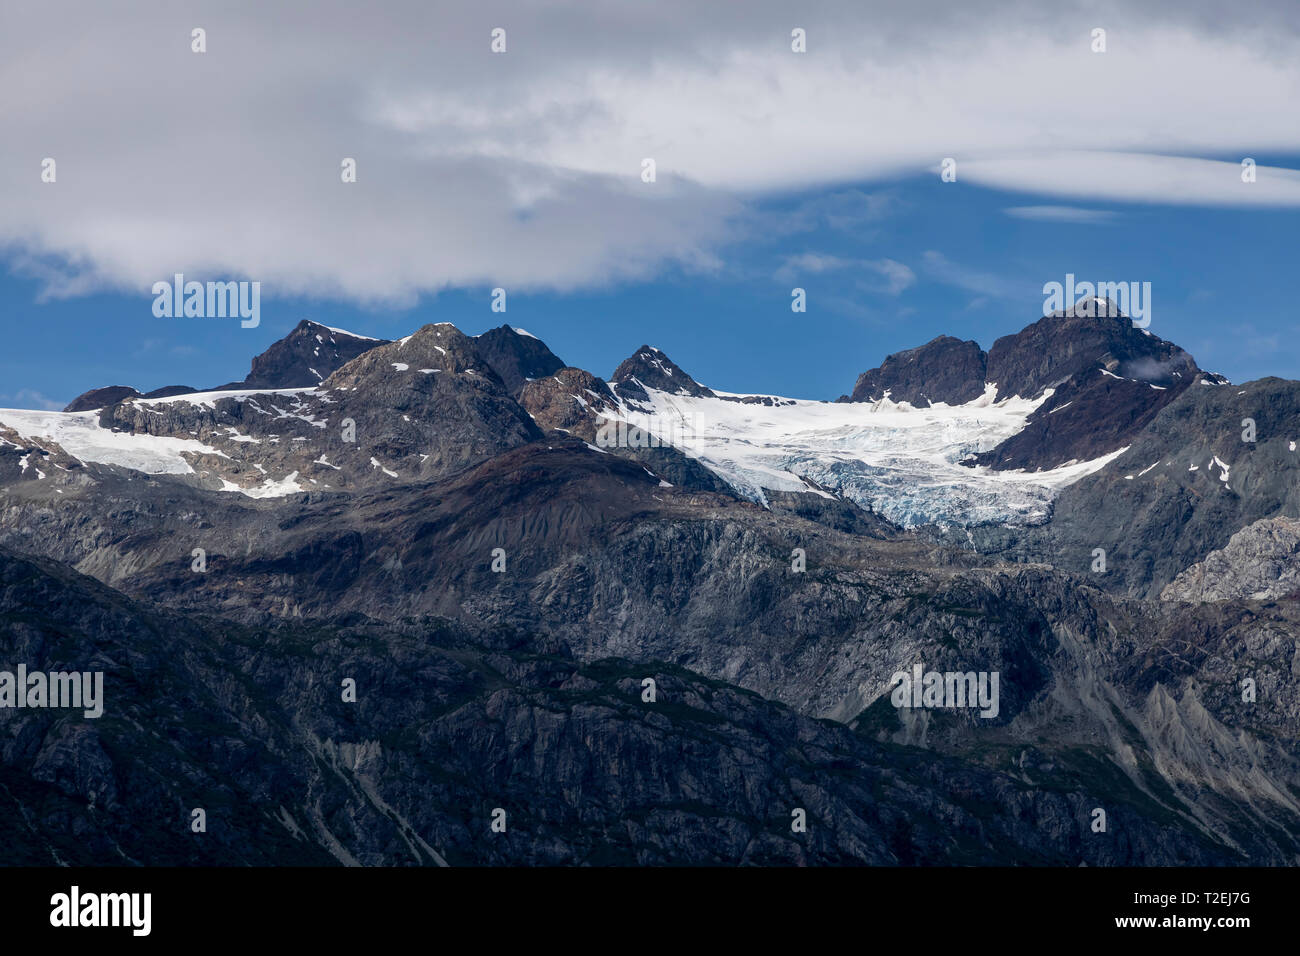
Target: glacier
900, 461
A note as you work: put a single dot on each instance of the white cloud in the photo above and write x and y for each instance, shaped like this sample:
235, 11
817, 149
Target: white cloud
1133, 177
522, 169
896, 275
885, 275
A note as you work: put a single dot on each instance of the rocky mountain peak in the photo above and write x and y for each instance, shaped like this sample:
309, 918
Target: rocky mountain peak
305, 357
517, 356
568, 401
1099, 380
945, 370
431, 349
1059, 346
648, 367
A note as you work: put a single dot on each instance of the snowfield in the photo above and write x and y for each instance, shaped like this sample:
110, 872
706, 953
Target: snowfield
900, 461
82, 437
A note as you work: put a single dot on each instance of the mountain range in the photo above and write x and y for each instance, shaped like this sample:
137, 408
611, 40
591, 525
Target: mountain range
499, 550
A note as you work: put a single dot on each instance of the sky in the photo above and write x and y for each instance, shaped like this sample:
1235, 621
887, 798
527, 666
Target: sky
524, 170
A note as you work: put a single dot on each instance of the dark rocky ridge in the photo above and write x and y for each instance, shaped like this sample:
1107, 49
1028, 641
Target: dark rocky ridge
100, 397
944, 370
1090, 415
425, 406
169, 391
1109, 379
305, 357
648, 367
516, 358
448, 724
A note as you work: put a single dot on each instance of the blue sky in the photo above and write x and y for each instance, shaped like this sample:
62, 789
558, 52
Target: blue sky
1222, 287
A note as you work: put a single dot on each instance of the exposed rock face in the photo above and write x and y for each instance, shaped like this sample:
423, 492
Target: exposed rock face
446, 396
249, 725
773, 635
944, 370
1108, 381
1194, 483
649, 367
838, 513
1055, 348
516, 358
306, 356
1261, 562
24, 459
604, 561
568, 401
1091, 414
100, 398
573, 402
425, 406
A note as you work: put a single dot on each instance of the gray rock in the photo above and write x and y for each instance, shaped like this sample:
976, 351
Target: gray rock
1261, 562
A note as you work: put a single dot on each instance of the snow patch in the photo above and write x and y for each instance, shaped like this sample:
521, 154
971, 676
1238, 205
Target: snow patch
288, 485
82, 437
374, 463
353, 335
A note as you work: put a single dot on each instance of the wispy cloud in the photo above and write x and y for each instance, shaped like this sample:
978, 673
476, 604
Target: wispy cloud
845, 210
1069, 214
29, 398
886, 276
940, 268
1137, 178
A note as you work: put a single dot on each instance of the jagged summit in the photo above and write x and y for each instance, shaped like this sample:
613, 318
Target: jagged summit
438, 347
517, 356
648, 367
1090, 307
306, 356
1097, 378
945, 370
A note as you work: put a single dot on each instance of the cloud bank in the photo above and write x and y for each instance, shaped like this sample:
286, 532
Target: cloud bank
523, 169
